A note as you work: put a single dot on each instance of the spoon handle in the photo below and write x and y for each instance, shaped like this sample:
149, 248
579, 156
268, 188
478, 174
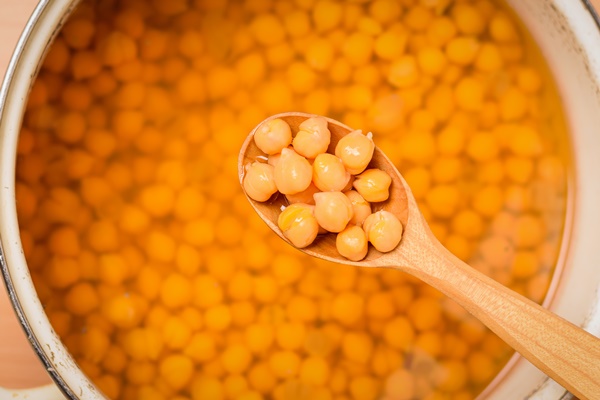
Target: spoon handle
565, 352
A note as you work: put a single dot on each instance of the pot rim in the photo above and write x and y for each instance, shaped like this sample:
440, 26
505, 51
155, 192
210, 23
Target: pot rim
54, 356
594, 13
41, 28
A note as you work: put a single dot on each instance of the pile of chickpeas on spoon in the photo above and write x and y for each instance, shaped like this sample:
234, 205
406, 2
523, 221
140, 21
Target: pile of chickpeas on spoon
326, 193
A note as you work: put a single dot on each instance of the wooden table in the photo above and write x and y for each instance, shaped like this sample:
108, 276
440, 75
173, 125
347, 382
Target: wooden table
19, 367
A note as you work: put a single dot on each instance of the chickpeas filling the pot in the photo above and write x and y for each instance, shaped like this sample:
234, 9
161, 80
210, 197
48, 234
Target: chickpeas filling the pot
162, 281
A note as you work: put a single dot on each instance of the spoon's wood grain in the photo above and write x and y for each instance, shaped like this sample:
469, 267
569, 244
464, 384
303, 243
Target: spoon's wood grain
565, 352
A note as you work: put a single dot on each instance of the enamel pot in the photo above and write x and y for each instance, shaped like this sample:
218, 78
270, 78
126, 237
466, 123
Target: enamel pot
568, 32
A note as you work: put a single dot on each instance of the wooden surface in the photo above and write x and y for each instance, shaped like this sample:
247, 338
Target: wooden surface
19, 367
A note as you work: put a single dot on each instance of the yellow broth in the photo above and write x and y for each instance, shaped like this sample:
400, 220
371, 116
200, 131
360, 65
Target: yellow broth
157, 274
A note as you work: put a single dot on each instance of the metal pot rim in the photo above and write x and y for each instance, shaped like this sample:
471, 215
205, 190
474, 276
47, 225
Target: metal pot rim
47, 19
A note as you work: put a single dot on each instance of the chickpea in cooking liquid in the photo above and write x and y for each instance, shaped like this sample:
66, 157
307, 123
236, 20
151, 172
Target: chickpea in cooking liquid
313, 137
383, 230
333, 210
373, 185
259, 181
292, 173
329, 174
355, 150
208, 72
298, 224
352, 243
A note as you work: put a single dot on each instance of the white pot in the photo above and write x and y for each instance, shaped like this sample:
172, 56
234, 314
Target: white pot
568, 32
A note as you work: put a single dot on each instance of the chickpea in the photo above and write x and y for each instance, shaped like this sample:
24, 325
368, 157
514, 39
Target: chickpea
383, 230
315, 371
306, 196
272, 136
360, 207
329, 174
352, 243
333, 210
298, 224
312, 138
400, 384
259, 181
349, 184
373, 185
293, 173
273, 159
355, 150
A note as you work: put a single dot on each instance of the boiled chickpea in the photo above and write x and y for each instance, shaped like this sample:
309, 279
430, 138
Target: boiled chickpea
305, 196
312, 138
360, 207
349, 184
259, 181
373, 185
272, 136
333, 210
383, 230
329, 174
298, 224
355, 150
293, 173
273, 159
352, 243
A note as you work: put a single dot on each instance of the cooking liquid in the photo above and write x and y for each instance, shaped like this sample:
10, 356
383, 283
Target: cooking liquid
157, 274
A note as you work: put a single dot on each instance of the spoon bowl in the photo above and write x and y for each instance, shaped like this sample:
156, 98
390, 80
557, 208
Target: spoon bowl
324, 246
565, 352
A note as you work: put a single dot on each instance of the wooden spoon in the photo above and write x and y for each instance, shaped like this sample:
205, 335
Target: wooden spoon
565, 352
